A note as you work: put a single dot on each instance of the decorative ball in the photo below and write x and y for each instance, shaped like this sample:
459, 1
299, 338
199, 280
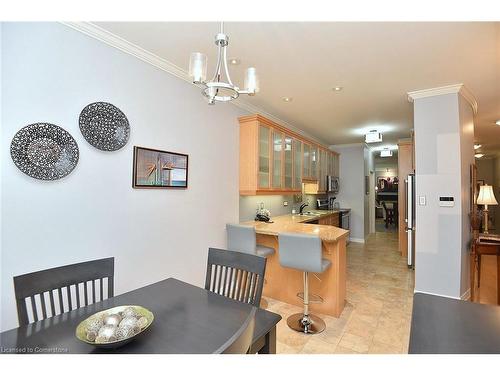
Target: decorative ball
107, 333
91, 335
123, 333
130, 311
130, 322
142, 322
112, 319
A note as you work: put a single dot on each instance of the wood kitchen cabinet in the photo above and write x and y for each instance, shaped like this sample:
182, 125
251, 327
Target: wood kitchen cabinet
332, 219
276, 160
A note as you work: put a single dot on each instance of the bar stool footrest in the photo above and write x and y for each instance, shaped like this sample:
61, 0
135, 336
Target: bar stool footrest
313, 298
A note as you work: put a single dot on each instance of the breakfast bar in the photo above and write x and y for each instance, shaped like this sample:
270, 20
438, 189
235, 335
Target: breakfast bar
283, 284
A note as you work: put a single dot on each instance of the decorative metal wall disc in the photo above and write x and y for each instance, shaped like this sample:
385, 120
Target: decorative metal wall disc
44, 151
104, 126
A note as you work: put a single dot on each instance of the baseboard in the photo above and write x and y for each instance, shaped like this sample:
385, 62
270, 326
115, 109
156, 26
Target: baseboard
358, 240
434, 294
466, 296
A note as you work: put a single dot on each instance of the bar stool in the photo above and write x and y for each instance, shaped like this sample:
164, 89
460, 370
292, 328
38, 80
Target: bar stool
303, 252
242, 238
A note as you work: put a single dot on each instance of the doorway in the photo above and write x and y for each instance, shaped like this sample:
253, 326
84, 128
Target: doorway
386, 193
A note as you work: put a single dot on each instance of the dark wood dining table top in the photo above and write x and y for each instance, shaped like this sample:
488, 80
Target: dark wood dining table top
441, 325
187, 319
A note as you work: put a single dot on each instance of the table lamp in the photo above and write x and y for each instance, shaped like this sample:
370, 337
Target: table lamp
486, 197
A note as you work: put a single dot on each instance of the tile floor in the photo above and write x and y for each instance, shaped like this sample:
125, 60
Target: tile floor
377, 315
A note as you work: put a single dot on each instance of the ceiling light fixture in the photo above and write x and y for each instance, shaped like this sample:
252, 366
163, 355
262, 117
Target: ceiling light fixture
478, 156
217, 90
373, 136
477, 146
386, 153
287, 99
234, 61
337, 88
498, 122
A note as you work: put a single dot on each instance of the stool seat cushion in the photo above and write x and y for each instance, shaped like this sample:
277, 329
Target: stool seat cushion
325, 264
264, 251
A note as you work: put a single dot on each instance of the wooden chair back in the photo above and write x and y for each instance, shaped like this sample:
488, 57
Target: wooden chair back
74, 284
236, 275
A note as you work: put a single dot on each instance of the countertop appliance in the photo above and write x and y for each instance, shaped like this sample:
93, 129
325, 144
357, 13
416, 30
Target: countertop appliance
410, 218
332, 184
322, 204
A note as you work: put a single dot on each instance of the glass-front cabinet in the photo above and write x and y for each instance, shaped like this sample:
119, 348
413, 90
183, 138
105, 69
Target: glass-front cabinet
306, 164
314, 162
264, 157
288, 161
297, 164
277, 159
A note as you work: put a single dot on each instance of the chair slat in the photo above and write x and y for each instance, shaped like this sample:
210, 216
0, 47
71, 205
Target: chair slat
61, 304
52, 304
85, 292
93, 291
68, 294
77, 288
33, 309
227, 281
101, 294
44, 308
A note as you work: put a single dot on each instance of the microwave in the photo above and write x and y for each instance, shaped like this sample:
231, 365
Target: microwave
332, 184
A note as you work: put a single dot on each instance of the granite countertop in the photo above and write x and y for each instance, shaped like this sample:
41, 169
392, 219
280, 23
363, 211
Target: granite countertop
297, 224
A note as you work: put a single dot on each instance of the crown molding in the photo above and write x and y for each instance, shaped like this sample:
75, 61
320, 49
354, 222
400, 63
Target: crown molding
443, 90
123, 45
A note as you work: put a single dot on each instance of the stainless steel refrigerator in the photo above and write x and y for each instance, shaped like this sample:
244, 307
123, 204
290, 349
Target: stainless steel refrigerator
410, 218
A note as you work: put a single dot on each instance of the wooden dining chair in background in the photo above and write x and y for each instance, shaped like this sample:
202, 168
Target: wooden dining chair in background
241, 341
236, 275
48, 288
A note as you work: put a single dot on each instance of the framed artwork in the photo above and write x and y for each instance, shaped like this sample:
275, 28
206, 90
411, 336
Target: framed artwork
157, 169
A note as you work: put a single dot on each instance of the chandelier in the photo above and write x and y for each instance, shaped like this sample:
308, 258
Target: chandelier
217, 89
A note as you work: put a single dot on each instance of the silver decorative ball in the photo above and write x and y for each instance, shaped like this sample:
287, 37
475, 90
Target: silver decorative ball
129, 311
123, 333
130, 322
112, 319
142, 322
107, 333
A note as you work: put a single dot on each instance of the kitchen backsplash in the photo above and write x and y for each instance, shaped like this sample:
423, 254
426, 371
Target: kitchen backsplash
274, 203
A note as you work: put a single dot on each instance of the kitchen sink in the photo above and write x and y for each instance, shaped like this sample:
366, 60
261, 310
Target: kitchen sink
309, 213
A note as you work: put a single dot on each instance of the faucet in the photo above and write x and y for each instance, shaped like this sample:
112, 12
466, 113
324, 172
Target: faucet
302, 206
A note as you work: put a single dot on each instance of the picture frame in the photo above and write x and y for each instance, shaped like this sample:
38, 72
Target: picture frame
159, 169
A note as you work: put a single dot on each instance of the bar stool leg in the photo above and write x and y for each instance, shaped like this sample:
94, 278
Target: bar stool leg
305, 322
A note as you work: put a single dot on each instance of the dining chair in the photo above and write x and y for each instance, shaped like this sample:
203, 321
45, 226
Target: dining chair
241, 341
74, 283
235, 275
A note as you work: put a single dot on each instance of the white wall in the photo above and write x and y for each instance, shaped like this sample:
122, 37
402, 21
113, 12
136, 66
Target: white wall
50, 72
444, 152
369, 199
352, 186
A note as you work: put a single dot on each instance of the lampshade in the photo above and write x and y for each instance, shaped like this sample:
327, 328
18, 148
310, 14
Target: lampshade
198, 67
486, 195
251, 80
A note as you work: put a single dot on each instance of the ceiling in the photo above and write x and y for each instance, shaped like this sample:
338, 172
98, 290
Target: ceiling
375, 63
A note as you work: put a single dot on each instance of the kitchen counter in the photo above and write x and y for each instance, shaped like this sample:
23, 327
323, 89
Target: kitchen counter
298, 224
283, 284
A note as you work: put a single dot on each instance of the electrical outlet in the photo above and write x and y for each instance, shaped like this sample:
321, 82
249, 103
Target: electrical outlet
285, 203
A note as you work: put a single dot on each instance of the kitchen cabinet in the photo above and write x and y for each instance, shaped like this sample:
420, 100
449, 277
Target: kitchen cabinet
332, 219
276, 160
297, 164
306, 169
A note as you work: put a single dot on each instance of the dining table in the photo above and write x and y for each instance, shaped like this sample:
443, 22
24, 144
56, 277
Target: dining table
187, 320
